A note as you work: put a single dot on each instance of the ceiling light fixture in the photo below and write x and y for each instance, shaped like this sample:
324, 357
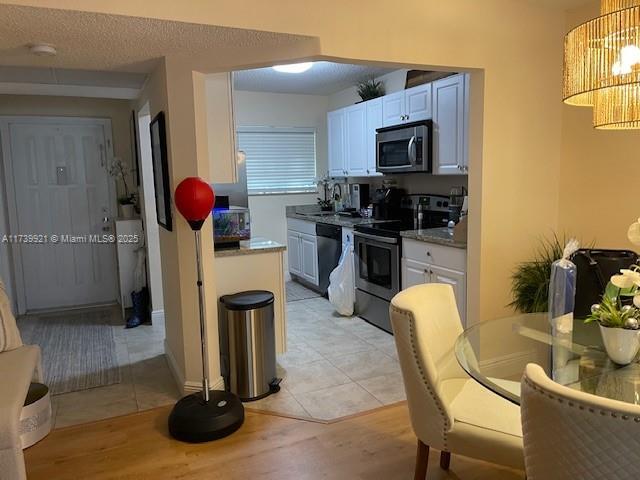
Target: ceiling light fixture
602, 65
43, 50
294, 67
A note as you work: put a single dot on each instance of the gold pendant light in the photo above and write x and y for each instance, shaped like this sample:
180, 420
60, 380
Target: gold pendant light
602, 65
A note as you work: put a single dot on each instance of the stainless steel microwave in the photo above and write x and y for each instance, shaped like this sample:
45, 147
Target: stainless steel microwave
405, 148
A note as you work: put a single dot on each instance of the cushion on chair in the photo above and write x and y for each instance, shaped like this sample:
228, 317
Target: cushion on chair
486, 425
9, 333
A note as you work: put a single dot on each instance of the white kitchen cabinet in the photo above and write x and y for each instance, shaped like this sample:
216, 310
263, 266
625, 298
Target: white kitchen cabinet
302, 249
450, 120
393, 107
336, 133
356, 140
405, 106
294, 254
309, 255
417, 103
457, 280
221, 128
374, 121
424, 262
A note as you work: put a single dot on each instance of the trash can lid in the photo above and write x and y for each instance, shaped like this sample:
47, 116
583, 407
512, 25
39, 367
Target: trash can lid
247, 300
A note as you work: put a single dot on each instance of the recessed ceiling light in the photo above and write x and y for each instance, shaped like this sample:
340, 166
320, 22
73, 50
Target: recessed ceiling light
43, 50
293, 67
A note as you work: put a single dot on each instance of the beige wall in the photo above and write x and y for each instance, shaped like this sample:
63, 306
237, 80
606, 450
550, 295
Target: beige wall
599, 168
282, 110
119, 111
513, 50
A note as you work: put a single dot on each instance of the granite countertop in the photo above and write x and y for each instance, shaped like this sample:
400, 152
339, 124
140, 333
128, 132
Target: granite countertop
251, 247
339, 220
442, 236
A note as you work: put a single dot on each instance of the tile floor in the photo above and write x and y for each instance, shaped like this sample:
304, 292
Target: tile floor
146, 379
335, 366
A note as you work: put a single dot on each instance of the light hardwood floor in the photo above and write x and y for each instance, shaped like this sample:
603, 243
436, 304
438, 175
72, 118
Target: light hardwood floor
376, 446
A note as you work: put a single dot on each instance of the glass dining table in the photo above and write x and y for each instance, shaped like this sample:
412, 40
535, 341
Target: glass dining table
496, 352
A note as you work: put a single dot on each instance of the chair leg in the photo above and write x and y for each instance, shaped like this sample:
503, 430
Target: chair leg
422, 460
445, 460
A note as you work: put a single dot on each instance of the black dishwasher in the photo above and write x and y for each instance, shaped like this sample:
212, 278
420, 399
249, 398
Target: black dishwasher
329, 238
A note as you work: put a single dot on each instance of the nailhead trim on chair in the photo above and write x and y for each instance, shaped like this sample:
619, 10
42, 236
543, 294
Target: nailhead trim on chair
581, 407
447, 425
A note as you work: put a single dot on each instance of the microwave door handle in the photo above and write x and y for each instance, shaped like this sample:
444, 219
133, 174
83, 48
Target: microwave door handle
411, 150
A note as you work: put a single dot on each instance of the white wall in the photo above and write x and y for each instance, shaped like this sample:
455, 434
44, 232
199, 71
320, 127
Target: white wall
282, 110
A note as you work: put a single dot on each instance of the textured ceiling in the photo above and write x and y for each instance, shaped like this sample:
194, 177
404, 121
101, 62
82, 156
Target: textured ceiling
324, 78
93, 41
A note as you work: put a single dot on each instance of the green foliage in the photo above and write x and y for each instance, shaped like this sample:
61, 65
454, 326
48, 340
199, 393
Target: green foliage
370, 89
530, 280
610, 312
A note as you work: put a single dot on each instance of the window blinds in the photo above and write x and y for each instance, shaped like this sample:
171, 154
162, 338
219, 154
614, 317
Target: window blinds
279, 160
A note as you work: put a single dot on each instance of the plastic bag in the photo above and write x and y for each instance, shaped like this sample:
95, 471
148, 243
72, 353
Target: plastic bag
342, 283
562, 290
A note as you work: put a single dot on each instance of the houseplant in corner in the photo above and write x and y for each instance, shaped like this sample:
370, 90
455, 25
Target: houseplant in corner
370, 89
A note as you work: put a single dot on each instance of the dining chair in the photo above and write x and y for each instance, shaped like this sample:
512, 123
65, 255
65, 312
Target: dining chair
449, 411
571, 434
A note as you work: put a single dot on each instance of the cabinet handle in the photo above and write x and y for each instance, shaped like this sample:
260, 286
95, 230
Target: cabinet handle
428, 253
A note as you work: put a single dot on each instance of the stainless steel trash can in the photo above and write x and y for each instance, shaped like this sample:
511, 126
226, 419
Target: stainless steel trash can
251, 344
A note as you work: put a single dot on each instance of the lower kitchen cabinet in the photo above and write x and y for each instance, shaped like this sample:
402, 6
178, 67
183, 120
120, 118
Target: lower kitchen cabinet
302, 247
309, 256
424, 262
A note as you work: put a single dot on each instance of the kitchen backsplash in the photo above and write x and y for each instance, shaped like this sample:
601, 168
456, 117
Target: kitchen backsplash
415, 183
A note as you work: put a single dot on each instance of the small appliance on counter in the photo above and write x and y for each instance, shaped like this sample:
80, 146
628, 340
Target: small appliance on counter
359, 195
386, 203
457, 196
231, 225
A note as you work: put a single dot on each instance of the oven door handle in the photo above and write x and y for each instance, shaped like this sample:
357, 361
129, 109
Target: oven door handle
392, 241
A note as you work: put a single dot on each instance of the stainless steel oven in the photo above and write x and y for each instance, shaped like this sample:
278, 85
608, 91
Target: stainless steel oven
405, 148
377, 275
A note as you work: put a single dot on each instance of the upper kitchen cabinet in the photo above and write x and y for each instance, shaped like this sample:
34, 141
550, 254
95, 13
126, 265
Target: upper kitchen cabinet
356, 140
410, 105
348, 136
336, 134
450, 124
221, 129
374, 121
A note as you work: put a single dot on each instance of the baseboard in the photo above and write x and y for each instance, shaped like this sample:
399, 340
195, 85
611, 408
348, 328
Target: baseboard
157, 316
188, 386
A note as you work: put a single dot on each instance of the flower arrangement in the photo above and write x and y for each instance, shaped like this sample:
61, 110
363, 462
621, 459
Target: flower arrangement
120, 171
618, 313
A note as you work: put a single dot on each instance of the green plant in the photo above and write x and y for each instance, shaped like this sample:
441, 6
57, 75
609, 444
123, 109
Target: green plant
530, 280
611, 312
369, 89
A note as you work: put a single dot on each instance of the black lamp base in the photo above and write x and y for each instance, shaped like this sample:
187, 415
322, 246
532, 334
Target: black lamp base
194, 421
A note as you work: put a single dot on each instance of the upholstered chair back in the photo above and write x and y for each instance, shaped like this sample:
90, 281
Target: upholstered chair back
426, 325
572, 434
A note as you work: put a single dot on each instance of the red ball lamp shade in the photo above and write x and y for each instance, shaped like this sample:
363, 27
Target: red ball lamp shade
195, 199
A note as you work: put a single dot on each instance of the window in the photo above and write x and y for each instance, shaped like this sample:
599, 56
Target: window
279, 160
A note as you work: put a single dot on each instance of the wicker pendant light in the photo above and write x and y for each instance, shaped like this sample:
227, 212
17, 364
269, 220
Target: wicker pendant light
602, 65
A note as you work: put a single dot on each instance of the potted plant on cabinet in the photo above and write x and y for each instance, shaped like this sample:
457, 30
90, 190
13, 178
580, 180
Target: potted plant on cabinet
127, 201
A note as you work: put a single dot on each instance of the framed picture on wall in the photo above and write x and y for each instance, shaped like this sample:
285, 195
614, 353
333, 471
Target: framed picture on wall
161, 171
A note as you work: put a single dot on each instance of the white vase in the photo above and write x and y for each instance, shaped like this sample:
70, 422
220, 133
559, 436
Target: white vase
621, 344
127, 211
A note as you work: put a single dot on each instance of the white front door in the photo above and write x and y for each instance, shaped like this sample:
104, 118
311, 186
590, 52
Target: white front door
61, 187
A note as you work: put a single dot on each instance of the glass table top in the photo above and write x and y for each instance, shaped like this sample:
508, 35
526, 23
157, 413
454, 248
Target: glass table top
496, 352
